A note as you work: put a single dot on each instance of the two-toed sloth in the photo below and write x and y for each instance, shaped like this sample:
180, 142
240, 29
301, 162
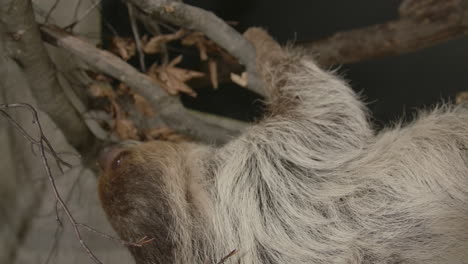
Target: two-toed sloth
310, 183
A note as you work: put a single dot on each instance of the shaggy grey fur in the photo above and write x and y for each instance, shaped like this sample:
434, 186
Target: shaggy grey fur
313, 183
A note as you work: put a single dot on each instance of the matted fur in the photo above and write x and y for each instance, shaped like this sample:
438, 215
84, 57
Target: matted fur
311, 183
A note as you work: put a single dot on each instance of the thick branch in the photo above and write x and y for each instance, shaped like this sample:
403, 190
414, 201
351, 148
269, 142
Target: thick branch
24, 45
170, 109
422, 23
212, 26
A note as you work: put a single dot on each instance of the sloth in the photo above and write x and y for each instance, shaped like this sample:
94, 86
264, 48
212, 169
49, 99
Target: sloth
312, 182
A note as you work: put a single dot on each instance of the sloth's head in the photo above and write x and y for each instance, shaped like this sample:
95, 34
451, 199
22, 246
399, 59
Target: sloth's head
151, 191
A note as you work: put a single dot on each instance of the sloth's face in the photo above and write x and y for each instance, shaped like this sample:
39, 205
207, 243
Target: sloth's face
130, 176
133, 189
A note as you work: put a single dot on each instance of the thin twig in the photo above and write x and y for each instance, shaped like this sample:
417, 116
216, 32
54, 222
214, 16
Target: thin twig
76, 10
83, 15
70, 192
136, 36
153, 27
141, 242
44, 143
53, 249
33, 141
46, 20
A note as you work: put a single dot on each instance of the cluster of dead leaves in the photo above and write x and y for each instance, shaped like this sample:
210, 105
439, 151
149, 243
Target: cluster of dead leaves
205, 47
123, 127
168, 75
124, 47
155, 44
173, 78
164, 133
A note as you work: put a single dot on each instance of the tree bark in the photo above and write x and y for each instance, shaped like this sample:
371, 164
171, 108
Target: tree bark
422, 23
24, 45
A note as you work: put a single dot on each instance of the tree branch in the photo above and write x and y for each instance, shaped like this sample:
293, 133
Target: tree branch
44, 144
422, 23
153, 27
25, 46
169, 108
136, 36
212, 26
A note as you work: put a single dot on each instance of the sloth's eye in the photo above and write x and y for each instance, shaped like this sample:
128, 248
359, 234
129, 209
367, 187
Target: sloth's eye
111, 158
118, 160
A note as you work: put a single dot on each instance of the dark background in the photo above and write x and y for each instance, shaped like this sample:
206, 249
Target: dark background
393, 87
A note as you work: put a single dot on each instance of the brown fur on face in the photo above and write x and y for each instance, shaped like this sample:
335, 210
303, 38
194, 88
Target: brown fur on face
148, 191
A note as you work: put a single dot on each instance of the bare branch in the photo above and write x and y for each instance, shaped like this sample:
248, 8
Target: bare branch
51, 10
422, 23
43, 145
169, 108
141, 242
103, 61
136, 36
153, 27
212, 26
32, 140
26, 47
84, 14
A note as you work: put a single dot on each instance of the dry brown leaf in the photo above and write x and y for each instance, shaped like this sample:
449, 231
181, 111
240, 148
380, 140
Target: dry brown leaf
102, 78
117, 113
194, 37
123, 89
153, 45
241, 80
203, 44
124, 47
203, 50
168, 8
172, 78
206, 46
164, 133
125, 129
213, 69
101, 89
142, 105
461, 97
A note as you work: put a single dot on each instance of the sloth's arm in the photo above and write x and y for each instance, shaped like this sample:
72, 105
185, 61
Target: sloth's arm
314, 108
